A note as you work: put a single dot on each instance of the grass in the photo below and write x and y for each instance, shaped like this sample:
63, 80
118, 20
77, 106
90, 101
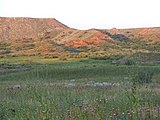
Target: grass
55, 90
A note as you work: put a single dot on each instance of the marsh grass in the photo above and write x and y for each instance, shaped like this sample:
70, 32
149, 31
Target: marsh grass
43, 95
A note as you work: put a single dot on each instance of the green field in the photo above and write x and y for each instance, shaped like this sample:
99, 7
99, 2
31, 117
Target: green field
86, 89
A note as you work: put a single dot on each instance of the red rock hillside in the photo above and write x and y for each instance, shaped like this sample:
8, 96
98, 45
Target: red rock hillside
19, 28
46, 36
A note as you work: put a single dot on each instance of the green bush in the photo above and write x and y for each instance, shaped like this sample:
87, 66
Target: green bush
129, 62
144, 76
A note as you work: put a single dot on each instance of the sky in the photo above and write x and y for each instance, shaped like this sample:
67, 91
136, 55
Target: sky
86, 14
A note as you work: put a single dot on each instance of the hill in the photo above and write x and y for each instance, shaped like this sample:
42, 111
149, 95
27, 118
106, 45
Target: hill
22, 28
49, 37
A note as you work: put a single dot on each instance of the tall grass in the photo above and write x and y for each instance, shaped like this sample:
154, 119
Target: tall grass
43, 95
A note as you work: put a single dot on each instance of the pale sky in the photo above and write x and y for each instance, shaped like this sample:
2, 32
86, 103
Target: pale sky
85, 14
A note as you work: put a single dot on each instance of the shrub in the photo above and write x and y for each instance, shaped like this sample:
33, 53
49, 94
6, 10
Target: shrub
144, 76
54, 56
100, 58
2, 56
62, 58
118, 37
72, 50
112, 57
50, 56
129, 62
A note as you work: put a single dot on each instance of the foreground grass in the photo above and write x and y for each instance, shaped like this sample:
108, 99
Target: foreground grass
60, 91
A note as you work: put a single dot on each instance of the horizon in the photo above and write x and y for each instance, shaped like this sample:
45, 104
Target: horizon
98, 14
